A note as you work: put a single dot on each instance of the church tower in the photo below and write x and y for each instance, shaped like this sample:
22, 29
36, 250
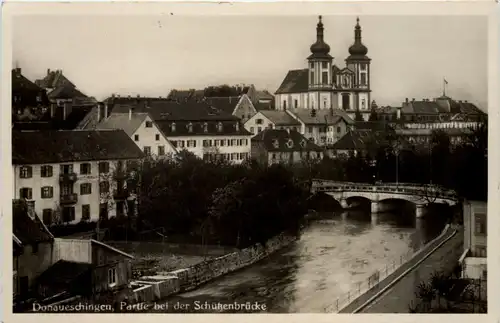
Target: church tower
359, 64
320, 72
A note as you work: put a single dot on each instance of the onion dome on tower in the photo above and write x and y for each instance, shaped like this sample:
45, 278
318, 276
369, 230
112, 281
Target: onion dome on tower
320, 49
357, 50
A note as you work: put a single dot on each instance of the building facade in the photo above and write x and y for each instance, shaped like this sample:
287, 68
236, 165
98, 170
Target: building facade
271, 119
72, 176
274, 146
324, 85
474, 259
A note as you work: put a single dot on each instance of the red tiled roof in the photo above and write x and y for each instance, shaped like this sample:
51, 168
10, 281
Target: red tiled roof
282, 137
43, 147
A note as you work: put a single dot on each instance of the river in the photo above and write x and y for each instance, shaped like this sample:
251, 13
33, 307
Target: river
331, 256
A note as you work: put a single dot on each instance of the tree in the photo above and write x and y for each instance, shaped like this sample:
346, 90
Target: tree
358, 116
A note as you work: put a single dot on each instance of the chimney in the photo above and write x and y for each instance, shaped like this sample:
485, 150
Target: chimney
406, 100
465, 101
113, 95
98, 112
48, 71
413, 100
130, 113
105, 110
459, 101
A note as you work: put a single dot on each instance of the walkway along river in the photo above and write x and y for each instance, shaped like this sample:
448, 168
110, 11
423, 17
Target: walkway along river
328, 260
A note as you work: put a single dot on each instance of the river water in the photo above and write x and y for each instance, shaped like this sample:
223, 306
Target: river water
331, 256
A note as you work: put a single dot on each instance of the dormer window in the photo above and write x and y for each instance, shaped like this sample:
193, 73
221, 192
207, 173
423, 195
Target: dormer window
303, 143
205, 127
219, 126
173, 127
190, 127
237, 126
276, 143
289, 143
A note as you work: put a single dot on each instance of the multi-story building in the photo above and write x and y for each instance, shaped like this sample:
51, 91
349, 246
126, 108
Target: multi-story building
474, 259
197, 127
272, 146
323, 85
142, 130
73, 176
29, 101
272, 119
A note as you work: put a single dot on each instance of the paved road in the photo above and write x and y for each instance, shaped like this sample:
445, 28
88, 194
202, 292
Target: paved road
397, 298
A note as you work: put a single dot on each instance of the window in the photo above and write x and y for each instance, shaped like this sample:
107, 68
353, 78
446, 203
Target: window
310, 129
205, 127
363, 78
363, 104
312, 77
324, 65
276, 143
295, 103
149, 124
190, 127
103, 187
85, 212
157, 137
85, 188
223, 142
219, 126
104, 167
289, 143
46, 171
47, 192
147, 150
273, 156
47, 216
339, 129
111, 276
363, 67
259, 121
311, 65
480, 224
66, 189
85, 168
284, 105
26, 193
252, 129
325, 78
136, 137
67, 169
68, 214
26, 172
259, 129
161, 150
173, 126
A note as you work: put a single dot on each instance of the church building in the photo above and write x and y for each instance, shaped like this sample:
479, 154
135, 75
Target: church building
324, 85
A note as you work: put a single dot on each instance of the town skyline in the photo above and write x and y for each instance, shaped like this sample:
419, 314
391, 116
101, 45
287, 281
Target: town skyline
111, 63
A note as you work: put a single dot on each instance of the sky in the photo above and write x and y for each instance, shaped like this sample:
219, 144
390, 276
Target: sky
150, 55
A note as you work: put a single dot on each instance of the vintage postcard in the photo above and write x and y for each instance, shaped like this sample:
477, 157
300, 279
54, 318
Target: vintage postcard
314, 158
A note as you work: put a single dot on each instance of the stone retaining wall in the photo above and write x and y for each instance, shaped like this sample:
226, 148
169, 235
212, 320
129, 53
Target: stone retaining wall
164, 284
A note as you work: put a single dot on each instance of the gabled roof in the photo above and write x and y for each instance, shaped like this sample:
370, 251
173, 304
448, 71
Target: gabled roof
322, 116
54, 79
346, 70
264, 95
26, 230
123, 121
26, 90
296, 81
277, 140
66, 92
357, 140
225, 104
44, 147
185, 94
280, 118
177, 111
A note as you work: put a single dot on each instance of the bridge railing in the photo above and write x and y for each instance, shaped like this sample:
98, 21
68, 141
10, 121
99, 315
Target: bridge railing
427, 190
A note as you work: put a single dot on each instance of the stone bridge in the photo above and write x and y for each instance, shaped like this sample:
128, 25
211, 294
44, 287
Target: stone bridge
419, 194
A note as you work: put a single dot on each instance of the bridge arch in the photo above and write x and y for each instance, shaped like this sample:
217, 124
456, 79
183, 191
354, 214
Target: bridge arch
357, 201
323, 202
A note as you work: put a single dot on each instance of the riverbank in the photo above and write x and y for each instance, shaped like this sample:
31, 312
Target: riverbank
371, 295
152, 288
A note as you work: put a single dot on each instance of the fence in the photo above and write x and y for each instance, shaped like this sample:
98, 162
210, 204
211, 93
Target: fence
379, 275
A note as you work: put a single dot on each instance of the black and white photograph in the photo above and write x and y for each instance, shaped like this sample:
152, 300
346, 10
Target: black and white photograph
314, 162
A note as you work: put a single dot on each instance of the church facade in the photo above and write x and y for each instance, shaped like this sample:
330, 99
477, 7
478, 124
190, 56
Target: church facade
324, 85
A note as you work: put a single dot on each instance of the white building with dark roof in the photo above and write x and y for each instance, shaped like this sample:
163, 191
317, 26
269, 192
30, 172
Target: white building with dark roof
324, 85
69, 176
